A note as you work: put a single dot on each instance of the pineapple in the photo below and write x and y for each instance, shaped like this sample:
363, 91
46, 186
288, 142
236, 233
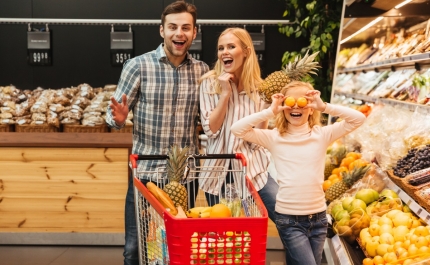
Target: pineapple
349, 178
292, 72
176, 165
333, 159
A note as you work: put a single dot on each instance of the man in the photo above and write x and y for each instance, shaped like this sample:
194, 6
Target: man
161, 87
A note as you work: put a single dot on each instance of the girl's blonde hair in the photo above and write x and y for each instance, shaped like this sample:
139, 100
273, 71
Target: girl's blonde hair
281, 122
251, 74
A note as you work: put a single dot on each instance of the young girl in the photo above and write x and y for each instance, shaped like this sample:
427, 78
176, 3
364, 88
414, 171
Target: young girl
227, 94
298, 146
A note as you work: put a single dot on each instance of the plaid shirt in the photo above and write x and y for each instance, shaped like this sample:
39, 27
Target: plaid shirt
165, 104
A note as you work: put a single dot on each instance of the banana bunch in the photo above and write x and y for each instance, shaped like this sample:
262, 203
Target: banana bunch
199, 212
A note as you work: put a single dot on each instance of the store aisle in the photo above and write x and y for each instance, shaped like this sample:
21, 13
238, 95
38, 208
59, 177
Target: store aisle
60, 255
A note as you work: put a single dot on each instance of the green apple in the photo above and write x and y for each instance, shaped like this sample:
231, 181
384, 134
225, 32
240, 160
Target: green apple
346, 201
391, 194
367, 195
356, 204
336, 208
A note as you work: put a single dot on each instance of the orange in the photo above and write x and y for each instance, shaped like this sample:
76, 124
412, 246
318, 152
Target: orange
368, 261
357, 163
333, 176
346, 161
335, 171
290, 101
354, 155
219, 211
301, 102
326, 184
378, 260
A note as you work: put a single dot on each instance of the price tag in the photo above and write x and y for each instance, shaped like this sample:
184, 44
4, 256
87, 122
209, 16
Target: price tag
121, 46
196, 47
259, 41
39, 48
414, 206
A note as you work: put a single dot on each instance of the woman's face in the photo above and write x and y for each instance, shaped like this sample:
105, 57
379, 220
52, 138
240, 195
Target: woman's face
297, 116
231, 54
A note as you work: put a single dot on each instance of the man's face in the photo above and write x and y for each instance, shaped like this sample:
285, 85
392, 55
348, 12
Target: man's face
178, 33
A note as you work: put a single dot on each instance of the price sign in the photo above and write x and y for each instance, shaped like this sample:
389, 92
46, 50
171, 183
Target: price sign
196, 47
39, 48
259, 41
121, 47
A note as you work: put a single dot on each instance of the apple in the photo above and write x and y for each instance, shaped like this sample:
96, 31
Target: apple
367, 195
346, 201
387, 193
374, 229
402, 219
336, 208
381, 249
385, 220
385, 228
400, 232
356, 204
386, 238
342, 214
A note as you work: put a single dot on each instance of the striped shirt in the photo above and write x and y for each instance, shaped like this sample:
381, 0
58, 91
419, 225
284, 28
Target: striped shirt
224, 142
165, 104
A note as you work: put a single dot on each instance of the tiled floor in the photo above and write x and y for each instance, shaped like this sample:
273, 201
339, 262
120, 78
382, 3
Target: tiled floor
61, 255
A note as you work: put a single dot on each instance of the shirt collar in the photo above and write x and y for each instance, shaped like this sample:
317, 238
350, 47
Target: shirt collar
162, 57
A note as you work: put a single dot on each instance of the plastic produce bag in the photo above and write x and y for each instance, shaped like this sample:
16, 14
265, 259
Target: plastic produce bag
232, 200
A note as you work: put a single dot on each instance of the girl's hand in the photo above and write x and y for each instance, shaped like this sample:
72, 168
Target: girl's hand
224, 80
314, 100
277, 103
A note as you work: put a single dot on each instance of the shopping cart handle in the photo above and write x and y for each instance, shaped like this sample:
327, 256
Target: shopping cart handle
134, 157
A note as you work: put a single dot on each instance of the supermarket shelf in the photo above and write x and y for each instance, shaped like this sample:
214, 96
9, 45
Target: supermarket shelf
416, 60
397, 103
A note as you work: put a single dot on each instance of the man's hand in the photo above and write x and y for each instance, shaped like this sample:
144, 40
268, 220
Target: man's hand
119, 110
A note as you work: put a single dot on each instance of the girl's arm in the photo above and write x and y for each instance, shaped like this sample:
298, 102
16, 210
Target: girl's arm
351, 120
245, 128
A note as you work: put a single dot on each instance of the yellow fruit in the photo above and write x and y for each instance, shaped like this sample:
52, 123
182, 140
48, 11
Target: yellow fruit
220, 211
290, 101
378, 260
332, 177
367, 261
346, 161
327, 184
301, 102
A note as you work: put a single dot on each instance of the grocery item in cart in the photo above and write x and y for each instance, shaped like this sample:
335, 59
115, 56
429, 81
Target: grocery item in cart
231, 199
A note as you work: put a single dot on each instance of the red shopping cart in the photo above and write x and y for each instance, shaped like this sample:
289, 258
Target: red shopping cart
165, 239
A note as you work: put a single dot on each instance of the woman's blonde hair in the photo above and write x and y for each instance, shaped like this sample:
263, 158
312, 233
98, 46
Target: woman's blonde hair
251, 74
281, 122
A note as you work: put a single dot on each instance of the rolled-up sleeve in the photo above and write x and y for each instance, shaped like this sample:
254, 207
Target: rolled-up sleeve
208, 102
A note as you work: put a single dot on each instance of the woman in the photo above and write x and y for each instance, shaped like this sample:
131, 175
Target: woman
227, 94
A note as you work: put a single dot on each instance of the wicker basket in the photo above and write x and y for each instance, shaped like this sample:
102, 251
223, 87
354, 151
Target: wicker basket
72, 128
43, 128
7, 127
126, 129
422, 196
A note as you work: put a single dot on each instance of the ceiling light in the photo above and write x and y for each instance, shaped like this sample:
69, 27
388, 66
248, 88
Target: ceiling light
402, 4
362, 29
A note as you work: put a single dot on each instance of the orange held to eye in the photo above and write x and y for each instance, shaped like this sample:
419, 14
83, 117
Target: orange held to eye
301, 102
290, 101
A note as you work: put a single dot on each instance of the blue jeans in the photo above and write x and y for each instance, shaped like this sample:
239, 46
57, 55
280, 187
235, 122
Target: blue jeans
131, 246
303, 237
267, 195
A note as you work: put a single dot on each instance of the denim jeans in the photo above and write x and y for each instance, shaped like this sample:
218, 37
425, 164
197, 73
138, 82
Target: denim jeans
303, 237
267, 195
131, 246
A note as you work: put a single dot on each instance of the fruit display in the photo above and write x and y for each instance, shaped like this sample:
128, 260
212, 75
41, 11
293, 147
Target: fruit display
176, 164
348, 179
295, 70
415, 160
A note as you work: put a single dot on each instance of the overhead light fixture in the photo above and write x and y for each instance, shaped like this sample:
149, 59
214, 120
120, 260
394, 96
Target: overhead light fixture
402, 4
362, 29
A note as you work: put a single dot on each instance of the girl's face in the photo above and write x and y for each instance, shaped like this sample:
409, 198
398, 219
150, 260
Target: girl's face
297, 116
231, 54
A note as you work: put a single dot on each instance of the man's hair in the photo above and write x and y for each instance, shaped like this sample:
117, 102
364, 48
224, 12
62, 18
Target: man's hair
177, 7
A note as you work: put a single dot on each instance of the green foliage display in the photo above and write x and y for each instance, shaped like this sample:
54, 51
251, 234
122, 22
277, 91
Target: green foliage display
319, 22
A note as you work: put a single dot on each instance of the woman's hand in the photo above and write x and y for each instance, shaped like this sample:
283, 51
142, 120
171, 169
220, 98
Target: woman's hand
314, 100
277, 103
224, 80
119, 110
